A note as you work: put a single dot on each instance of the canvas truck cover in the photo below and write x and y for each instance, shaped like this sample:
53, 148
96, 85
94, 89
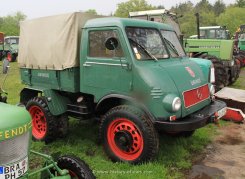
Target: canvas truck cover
52, 42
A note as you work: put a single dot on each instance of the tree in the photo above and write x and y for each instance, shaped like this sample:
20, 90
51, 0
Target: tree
124, 8
91, 11
10, 24
219, 7
232, 18
203, 5
240, 3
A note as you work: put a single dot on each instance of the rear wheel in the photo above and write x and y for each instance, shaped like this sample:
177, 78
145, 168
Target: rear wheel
43, 122
222, 77
128, 135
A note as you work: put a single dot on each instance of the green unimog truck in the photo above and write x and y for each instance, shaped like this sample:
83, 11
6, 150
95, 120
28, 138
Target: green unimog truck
131, 74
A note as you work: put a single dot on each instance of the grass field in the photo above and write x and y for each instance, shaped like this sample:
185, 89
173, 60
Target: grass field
174, 159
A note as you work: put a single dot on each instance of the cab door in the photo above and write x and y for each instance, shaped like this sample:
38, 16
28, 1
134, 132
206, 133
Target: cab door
105, 71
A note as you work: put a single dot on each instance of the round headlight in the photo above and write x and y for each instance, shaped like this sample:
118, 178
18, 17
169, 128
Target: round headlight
176, 104
211, 90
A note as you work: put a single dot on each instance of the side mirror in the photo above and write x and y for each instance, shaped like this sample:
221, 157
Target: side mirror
111, 43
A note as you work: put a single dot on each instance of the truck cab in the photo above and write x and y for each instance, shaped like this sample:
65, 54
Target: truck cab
214, 32
131, 74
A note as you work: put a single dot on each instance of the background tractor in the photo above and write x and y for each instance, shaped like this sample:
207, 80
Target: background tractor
15, 137
211, 43
239, 47
10, 46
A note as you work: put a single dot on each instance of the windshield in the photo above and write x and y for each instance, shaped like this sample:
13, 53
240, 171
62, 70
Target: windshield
173, 43
12, 41
214, 34
146, 43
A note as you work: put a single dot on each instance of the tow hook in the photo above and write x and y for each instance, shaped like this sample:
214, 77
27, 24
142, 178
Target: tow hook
215, 119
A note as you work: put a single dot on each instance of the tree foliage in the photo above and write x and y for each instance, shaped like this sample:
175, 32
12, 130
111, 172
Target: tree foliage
219, 7
91, 11
232, 18
9, 25
240, 3
124, 8
210, 14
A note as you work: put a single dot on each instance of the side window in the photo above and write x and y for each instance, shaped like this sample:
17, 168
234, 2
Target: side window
212, 34
97, 44
7, 41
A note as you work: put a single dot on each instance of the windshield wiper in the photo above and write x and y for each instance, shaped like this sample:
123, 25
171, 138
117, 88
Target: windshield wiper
172, 46
143, 48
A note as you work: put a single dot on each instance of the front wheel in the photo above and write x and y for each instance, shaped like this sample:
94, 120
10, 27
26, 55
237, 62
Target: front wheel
128, 135
77, 168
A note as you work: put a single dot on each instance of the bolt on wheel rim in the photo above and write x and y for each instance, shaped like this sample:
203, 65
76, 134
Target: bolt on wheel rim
39, 122
125, 139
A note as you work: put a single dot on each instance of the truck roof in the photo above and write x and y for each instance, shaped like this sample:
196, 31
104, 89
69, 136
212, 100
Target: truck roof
151, 12
11, 37
125, 22
212, 27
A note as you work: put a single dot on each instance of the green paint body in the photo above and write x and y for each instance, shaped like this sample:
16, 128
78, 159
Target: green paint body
127, 76
222, 49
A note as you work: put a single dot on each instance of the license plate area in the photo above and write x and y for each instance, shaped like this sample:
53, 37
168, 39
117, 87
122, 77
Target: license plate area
14, 170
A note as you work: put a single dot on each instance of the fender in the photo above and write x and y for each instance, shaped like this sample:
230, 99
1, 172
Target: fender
57, 103
129, 99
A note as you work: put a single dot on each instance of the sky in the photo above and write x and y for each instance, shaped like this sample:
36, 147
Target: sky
39, 8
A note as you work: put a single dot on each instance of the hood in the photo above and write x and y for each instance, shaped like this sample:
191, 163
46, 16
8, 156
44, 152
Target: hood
186, 74
174, 76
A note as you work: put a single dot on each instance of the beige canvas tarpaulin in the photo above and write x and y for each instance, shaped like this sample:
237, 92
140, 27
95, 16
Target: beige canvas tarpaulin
52, 42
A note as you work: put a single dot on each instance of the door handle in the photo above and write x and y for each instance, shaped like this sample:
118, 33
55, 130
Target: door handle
86, 65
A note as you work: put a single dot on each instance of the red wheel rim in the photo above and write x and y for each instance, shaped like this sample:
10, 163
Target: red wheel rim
72, 174
125, 139
39, 123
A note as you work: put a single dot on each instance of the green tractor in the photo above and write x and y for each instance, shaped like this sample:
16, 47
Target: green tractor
15, 137
240, 36
10, 46
213, 43
240, 44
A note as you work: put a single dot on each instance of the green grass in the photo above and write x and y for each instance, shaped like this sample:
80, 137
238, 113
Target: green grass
240, 82
174, 158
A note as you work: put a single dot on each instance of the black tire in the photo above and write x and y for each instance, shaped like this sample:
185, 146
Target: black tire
62, 125
47, 131
75, 166
137, 140
222, 77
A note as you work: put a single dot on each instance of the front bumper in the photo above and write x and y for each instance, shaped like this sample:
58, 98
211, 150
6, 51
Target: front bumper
193, 121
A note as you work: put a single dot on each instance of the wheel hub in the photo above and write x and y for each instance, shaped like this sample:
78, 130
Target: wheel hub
123, 140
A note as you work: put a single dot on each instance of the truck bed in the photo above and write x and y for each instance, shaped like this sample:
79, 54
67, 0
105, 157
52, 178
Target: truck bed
64, 80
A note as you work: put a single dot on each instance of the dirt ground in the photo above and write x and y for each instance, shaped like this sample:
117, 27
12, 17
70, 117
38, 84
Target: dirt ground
225, 157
